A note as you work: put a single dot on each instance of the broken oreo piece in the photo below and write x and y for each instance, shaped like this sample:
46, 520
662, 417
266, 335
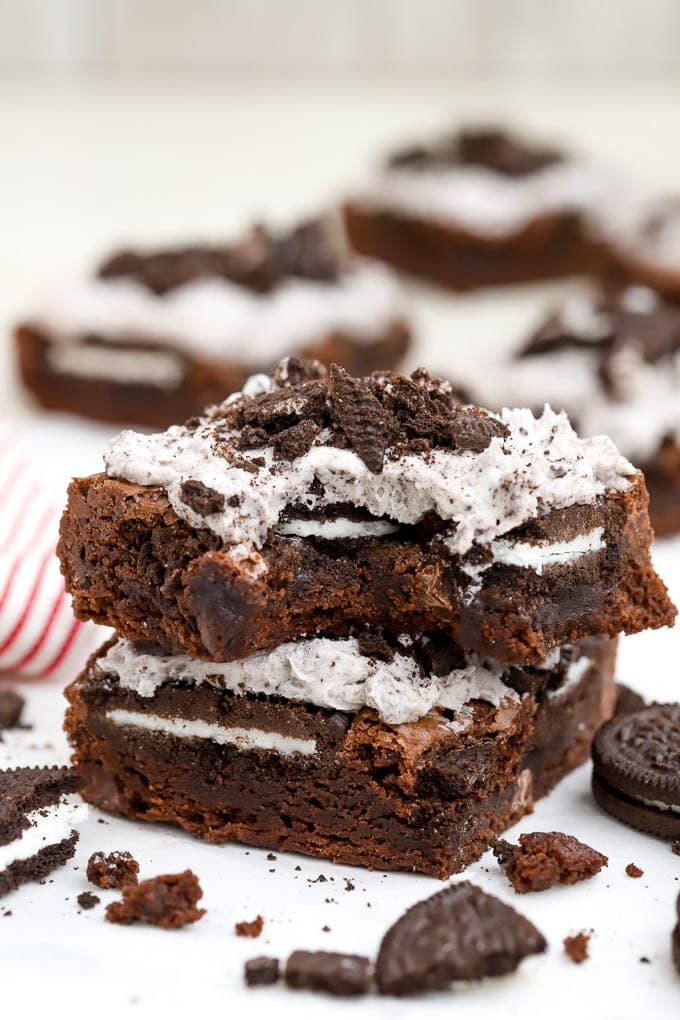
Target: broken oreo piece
628, 700
636, 769
11, 707
368, 426
340, 974
168, 901
201, 498
260, 971
544, 859
459, 934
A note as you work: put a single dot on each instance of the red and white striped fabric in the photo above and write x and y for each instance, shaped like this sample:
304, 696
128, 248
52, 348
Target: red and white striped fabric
39, 636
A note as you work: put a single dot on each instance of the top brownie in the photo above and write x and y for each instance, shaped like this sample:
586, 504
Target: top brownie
313, 503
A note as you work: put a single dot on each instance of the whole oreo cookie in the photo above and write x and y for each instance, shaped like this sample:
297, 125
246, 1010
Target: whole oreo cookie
636, 769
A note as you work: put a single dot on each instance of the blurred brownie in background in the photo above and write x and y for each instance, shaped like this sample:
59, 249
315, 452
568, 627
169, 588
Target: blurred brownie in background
479, 208
613, 363
154, 338
640, 243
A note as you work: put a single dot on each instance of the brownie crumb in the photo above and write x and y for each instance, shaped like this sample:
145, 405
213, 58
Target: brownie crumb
675, 846
326, 928
576, 946
271, 857
645, 959
349, 885
168, 901
88, 900
262, 970
633, 871
250, 929
11, 707
338, 974
544, 859
112, 871
319, 878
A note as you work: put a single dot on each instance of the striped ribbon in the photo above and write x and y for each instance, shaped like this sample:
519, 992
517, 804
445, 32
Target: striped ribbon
39, 636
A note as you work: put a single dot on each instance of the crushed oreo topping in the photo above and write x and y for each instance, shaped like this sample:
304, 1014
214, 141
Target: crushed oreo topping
201, 498
369, 427
491, 149
260, 261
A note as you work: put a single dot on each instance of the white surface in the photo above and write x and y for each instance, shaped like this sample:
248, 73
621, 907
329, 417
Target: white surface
81, 173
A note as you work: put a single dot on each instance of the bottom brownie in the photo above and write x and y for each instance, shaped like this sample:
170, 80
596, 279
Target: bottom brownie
167, 738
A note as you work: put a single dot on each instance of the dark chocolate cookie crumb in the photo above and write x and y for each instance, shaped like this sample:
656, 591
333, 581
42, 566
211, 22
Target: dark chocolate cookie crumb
112, 871
88, 900
349, 885
262, 970
675, 846
374, 645
338, 974
576, 946
633, 871
363, 419
11, 707
295, 441
459, 934
168, 901
271, 857
201, 498
627, 700
544, 859
250, 929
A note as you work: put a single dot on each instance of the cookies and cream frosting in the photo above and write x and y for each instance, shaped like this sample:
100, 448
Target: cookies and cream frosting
497, 472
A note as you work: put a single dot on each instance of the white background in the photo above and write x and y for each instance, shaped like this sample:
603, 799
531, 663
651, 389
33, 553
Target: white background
83, 169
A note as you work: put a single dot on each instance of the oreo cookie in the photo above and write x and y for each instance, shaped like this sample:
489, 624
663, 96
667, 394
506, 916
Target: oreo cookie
636, 769
459, 934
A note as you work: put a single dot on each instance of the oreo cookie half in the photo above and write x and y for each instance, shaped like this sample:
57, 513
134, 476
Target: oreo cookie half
636, 769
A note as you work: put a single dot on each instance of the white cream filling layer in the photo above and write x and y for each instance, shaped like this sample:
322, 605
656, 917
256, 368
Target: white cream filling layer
540, 466
659, 805
162, 369
483, 201
575, 673
246, 739
330, 673
48, 826
215, 318
339, 527
538, 557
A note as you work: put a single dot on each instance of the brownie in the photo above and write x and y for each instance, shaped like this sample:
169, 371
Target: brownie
641, 246
544, 859
156, 337
576, 946
412, 761
479, 208
112, 871
250, 929
168, 901
370, 521
612, 361
37, 833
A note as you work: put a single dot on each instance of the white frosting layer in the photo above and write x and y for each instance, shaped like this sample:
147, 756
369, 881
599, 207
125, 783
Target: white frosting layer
338, 527
330, 673
246, 739
542, 465
47, 826
575, 673
215, 318
625, 225
483, 201
547, 554
162, 369
645, 411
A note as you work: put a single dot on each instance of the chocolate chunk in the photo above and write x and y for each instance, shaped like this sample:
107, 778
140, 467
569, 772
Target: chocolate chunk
88, 900
250, 929
262, 970
459, 934
168, 901
544, 859
369, 427
295, 441
636, 769
627, 700
201, 498
576, 946
338, 974
11, 707
112, 871
374, 645
633, 871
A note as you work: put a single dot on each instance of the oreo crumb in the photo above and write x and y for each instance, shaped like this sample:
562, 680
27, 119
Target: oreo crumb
339, 974
271, 857
88, 900
633, 871
250, 929
576, 946
349, 885
11, 707
645, 959
201, 498
168, 901
262, 970
675, 846
112, 871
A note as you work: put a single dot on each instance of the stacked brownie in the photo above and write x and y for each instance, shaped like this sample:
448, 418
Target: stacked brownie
155, 337
354, 619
